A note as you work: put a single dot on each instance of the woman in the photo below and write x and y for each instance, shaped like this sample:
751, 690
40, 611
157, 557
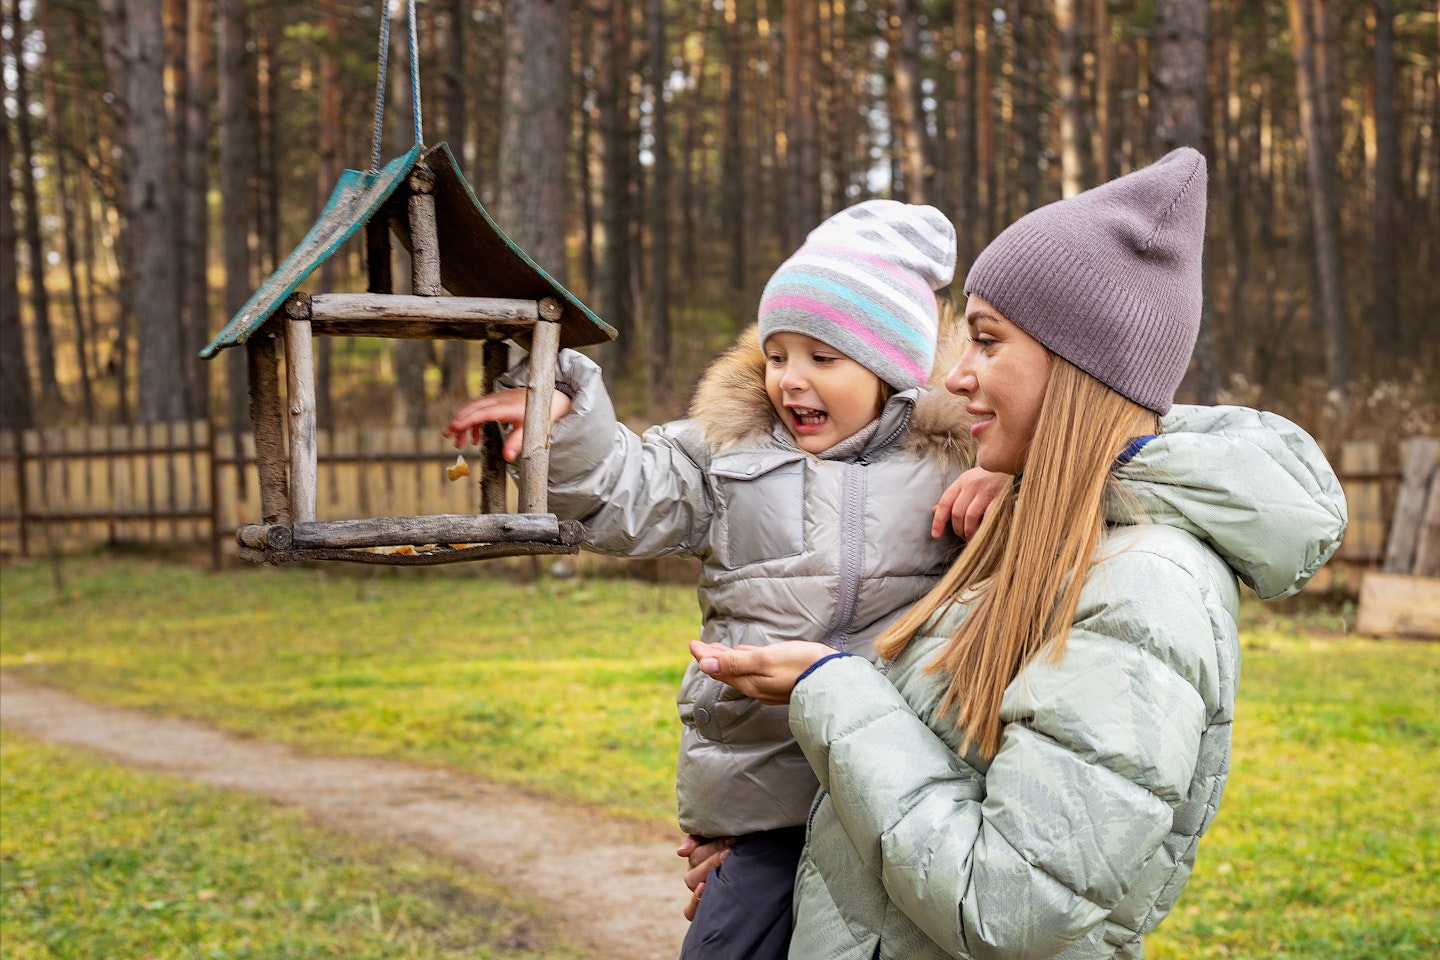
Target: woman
1028, 770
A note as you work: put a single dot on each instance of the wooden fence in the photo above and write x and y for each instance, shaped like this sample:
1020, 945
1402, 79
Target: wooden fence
185, 484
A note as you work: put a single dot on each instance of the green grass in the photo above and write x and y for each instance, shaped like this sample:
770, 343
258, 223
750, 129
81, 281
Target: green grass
98, 861
566, 686
1327, 845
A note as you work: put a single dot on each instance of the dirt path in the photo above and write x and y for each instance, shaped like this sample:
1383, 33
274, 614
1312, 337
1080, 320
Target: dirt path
614, 885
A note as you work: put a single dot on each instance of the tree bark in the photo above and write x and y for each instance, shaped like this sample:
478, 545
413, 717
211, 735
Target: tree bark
1067, 80
535, 130
150, 214
199, 92
16, 407
965, 94
907, 119
237, 142
66, 198
44, 341
659, 359
1319, 162
1179, 100
1391, 331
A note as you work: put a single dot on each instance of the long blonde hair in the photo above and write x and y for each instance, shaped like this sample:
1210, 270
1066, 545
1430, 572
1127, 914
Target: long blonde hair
1023, 572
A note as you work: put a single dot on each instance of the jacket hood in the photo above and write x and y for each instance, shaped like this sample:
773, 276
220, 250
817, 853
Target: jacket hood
1252, 485
730, 405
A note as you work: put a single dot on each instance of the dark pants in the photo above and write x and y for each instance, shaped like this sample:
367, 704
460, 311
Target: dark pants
745, 911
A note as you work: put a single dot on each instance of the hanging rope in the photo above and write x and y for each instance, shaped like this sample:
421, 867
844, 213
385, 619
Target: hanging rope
414, 73
380, 84
384, 58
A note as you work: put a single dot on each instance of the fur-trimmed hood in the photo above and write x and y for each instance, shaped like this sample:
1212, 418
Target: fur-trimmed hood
731, 407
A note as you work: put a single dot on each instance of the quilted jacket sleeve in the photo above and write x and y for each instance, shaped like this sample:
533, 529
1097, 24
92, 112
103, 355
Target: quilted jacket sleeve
637, 496
1097, 750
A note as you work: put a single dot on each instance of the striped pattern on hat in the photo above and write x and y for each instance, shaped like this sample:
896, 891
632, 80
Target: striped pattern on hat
864, 282
1110, 279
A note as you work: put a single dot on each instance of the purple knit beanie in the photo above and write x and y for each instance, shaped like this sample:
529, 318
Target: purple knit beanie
864, 282
1110, 278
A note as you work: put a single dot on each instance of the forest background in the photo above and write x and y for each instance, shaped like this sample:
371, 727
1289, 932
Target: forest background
661, 157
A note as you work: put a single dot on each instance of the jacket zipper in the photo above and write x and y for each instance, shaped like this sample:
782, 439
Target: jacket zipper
852, 538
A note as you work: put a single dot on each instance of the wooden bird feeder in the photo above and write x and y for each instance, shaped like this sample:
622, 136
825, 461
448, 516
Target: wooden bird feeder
471, 282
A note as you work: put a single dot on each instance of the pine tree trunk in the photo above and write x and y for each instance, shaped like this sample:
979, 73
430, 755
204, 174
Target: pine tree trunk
237, 142
1329, 278
965, 93
908, 120
150, 213
199, 92
732, 169
1067, 81
1392, 331
1179, 101
16, 407
66, 203
44, 342
659, 360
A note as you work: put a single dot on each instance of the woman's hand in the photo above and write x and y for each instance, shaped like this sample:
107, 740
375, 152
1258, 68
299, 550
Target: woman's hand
962, 506
703, 855
766, 674
502, 406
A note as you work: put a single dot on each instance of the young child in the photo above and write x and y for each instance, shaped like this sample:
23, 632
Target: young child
802, 479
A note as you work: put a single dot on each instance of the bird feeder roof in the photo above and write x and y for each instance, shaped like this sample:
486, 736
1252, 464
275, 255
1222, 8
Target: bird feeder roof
477, 259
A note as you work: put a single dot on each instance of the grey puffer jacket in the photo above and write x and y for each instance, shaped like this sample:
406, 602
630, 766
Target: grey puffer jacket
1077, 837
794, 547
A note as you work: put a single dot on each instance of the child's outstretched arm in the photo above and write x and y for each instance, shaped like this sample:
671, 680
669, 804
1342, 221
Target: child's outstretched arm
502, 406
962, 506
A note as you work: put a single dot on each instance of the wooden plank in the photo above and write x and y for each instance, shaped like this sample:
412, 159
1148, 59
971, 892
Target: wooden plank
1427, 545
444, 528
535, 447
300, 402
1419, 472
1398, 605
1365, 535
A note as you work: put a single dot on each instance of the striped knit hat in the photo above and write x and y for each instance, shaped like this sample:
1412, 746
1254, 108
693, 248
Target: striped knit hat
864, 282
1110, 278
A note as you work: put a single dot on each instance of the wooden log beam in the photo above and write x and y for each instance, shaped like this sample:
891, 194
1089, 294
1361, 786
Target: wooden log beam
261, 536
440, 529
535, 447
424, 241
267, 421
300, 400
328, 309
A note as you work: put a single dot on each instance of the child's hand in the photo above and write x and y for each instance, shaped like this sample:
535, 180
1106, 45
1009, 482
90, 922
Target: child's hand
767, 674
704, 855
963, 505
502, 406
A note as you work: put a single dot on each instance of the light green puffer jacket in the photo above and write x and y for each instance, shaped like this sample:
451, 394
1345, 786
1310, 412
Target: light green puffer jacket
1077, 837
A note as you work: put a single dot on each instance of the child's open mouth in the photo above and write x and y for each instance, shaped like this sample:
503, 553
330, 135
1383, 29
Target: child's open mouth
806, 417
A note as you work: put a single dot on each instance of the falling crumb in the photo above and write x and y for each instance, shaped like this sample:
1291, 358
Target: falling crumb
458, 469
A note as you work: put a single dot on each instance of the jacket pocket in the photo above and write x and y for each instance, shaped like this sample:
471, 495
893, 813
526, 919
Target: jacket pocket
762, 502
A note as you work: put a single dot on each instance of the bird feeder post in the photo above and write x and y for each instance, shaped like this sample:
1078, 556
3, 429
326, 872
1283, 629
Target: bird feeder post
267, 422
300, 398
535, 447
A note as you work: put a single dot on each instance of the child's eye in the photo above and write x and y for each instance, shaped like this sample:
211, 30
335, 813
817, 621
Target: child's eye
823, 358
776, 359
